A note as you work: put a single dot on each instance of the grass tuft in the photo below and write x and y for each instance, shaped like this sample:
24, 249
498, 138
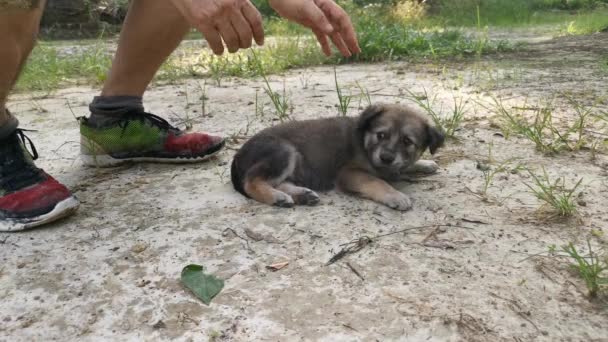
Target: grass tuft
449, 122
539, 127
554, 194
589, 268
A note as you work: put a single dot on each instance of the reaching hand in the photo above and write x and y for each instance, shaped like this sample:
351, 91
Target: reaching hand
325, 18
234, 21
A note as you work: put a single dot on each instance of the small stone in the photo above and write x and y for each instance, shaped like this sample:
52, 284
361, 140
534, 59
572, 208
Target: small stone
159, 325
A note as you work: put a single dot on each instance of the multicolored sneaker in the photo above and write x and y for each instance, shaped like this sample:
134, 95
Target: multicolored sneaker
28, 196
142, 137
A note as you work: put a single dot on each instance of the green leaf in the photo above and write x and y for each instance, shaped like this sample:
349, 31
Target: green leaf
204, 286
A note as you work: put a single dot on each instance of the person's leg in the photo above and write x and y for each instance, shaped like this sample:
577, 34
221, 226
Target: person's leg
152, 30
18, 31
28, 196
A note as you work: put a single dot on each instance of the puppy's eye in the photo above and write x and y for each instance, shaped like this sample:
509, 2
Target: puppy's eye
407, 141
381, 135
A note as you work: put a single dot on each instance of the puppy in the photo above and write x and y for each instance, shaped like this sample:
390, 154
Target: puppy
282, 165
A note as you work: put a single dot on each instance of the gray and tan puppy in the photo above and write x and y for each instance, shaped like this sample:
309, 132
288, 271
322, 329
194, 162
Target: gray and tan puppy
282, 165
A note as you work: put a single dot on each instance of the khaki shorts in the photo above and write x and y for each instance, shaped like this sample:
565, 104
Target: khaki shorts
19, 4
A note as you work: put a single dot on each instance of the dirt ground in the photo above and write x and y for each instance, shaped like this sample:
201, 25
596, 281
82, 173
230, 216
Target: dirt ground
111, 272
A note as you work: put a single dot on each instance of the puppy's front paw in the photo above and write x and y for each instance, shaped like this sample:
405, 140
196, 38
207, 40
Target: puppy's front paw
426, 166
398, 200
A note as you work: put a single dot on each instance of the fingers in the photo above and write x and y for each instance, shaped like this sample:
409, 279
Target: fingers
322, 38
342, 26
254, 18
213, 38
229, 35
243, 30
336, 38
317, 19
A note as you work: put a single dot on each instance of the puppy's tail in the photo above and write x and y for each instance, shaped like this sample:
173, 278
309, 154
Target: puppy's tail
237, 179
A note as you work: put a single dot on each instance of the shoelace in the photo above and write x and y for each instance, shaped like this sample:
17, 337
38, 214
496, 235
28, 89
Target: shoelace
25, 139
20, 172
153, 119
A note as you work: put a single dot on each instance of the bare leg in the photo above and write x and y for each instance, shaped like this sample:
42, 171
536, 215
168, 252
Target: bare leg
152, 30
18, 31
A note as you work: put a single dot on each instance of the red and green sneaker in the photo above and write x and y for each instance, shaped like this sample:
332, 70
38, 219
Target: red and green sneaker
28, 196
142, 137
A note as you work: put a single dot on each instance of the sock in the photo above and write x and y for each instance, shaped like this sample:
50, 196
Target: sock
105, 109
9, 127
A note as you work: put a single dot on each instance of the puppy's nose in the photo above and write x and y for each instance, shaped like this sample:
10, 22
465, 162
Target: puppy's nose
387, 158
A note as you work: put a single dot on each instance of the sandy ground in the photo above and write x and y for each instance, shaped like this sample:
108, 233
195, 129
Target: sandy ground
111, 272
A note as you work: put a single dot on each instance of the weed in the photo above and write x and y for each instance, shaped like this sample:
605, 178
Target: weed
447, 123
489, 172
259, 106
554, 193
343, 100
589, 268
364, 94
281, 102
541, 130
204, 98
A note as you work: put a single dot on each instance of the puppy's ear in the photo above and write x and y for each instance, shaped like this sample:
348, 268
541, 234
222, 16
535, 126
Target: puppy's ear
368, 115
434, 139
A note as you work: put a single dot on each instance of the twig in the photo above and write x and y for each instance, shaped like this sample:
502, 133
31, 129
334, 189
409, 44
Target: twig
240, 237
517, 309
350, 247
355, 271
473, 221
358, 244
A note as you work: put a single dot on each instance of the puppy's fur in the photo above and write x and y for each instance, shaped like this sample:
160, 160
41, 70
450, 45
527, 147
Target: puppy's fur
282, 165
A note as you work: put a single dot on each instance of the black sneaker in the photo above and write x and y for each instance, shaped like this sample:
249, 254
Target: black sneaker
28, 196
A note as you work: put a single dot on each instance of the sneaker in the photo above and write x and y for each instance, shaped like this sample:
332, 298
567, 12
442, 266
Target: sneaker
28, 196
142, 137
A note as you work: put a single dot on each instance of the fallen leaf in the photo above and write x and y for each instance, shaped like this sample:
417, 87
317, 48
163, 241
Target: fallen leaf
277, 266
204, 286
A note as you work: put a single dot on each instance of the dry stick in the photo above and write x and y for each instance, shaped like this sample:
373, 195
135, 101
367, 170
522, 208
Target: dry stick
240, 237
517, 308
355, 271
358, 244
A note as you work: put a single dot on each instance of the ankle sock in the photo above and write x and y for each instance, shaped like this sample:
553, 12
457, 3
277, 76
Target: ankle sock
8, 127
106, 109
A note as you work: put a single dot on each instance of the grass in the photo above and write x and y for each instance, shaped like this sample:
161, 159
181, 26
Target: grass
381, 39
589, 268
448, 123
281, 102
343, 100
554, 194
572, 17
47, 69
604, 64
489, 173
539, 127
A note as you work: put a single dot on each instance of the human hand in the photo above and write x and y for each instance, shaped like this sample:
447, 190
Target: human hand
325, 18
234, 21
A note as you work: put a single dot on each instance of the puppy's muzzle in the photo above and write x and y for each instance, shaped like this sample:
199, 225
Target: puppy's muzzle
387, 158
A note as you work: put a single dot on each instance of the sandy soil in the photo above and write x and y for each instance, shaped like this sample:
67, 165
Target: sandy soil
111, 272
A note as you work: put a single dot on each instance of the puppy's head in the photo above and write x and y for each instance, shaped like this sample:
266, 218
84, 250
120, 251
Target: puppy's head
394, 136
